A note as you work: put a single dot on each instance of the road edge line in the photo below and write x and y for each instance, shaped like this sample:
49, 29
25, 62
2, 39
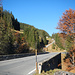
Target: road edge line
31, 71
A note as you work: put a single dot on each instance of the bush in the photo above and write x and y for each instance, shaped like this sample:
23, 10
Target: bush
56, 47
53, 46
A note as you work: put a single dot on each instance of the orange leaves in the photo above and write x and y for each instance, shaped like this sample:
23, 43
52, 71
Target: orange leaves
59, 65
22, 38
67, 22
67, 60
16, 33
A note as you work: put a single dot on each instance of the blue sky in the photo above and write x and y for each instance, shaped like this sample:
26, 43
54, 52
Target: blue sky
42, 14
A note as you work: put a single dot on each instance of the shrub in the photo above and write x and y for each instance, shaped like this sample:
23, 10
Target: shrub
53, 46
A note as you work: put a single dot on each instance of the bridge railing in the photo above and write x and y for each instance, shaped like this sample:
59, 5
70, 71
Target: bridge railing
50, 64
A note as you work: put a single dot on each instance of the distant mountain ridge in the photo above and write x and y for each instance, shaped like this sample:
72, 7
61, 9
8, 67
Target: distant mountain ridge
24, 26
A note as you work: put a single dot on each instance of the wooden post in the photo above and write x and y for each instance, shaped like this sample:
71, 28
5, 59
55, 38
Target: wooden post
36, 59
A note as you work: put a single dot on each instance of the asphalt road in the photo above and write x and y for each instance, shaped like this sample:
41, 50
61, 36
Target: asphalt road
22, 66
50, 43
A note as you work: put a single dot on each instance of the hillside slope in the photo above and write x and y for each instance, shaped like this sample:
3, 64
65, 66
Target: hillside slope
16, 37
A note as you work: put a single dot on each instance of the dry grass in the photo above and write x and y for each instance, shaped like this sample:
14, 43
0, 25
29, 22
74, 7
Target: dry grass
21, 31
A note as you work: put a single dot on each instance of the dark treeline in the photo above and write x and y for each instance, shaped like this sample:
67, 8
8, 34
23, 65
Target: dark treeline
15, 42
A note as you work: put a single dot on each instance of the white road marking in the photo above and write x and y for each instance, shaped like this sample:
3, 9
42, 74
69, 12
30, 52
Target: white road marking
32, 71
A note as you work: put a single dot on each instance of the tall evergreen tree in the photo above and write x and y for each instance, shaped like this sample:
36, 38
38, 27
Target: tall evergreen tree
44, 38
58, 41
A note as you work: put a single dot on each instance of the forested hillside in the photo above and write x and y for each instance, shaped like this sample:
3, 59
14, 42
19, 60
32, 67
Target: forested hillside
33, 35
61, 42
16, 42
25, 26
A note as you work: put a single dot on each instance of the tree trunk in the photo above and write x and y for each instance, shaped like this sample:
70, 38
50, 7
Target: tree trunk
73, 59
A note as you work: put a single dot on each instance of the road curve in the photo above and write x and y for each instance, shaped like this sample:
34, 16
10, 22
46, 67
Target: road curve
22, 66
50, 44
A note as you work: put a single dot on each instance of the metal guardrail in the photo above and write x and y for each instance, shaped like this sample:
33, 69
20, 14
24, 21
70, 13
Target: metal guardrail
63, 73
13, 56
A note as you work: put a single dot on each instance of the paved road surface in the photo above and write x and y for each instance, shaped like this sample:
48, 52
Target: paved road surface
50, 43
21, 66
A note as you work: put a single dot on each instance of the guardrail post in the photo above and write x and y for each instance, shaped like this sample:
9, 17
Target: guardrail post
39, 68
36, 60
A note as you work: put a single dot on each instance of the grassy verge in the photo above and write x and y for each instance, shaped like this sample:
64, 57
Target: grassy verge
51, 72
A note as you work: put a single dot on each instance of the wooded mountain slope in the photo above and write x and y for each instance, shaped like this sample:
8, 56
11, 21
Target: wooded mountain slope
15, 42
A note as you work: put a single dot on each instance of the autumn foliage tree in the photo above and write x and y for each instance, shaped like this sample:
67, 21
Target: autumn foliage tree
67, 27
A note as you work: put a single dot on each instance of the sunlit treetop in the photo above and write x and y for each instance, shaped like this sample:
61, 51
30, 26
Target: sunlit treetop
67, 22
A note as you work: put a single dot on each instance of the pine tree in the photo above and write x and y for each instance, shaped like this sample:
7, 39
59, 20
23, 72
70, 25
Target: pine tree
44, 38
68, 43
58, 41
